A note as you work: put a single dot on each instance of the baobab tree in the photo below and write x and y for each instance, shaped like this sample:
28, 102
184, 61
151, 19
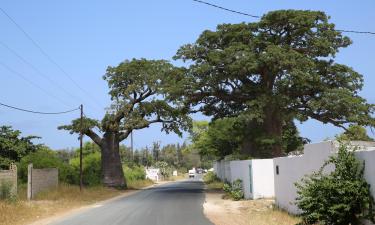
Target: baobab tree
139, 92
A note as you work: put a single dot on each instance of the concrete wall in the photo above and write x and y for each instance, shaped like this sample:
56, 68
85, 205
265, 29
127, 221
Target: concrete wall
292, 169
256, 175
10, 176
41, 180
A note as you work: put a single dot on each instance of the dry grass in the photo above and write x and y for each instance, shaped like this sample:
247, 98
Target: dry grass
253, 212
139, 184
54, 202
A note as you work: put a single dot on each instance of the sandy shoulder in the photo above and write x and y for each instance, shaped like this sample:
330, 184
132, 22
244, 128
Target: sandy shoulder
251, 212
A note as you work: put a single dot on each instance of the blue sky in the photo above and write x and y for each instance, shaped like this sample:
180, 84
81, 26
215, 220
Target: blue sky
84, 37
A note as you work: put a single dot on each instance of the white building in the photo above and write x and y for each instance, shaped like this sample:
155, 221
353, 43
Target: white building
257, 176
291, 169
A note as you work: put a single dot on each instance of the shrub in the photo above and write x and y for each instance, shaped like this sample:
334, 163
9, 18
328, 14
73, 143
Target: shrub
134, 173
6, 190
45, 158
340, 197
210, 177
234, 190
91, 169
165, 169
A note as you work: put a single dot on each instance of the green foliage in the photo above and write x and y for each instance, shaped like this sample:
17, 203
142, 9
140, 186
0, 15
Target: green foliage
273, 71
355, 133
45, 158
6, 190
165, 169
134, 173
234, 190
91, 164
210, 177
340, 197
220, 138
13, 147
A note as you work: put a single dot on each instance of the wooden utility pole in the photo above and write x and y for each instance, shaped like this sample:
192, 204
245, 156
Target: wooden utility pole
131, 144
80, 150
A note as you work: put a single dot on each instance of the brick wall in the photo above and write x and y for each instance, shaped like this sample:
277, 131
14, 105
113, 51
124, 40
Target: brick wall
10, 176
41, 180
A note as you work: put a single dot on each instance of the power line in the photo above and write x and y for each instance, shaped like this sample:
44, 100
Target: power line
255, 16
45, 54
33, 84
38, 112
51, 81
226, 9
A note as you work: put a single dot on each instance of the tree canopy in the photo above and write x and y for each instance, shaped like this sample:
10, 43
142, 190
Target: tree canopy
355, 133
13, 146
273, 72
139, 92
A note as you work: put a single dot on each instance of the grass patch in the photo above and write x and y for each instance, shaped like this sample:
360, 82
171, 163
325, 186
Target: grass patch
216, 185
139, 184
51, 203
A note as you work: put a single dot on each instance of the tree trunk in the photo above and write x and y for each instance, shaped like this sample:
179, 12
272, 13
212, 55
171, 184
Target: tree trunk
273, 127
256, 142
112, 173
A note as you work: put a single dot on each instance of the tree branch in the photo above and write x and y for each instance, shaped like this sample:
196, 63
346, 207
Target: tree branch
94, 137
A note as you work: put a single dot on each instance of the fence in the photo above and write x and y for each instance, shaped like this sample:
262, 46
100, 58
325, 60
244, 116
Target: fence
257, 176
40, 180
289, 170
10, 176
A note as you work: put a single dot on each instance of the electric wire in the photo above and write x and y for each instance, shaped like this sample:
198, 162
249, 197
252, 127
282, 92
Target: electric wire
255, 16
48, 56
34, 84
38, 112
38, 71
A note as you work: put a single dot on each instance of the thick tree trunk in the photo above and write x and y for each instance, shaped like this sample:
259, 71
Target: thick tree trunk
112, 173
270, 129
273, 127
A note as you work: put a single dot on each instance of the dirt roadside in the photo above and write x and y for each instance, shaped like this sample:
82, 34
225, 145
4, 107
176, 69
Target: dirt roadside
251, 212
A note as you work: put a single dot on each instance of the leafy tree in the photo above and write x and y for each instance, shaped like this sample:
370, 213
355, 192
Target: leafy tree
272, 72
165, 169
339, 198
138, 89
355, 133
46, 158
13, 147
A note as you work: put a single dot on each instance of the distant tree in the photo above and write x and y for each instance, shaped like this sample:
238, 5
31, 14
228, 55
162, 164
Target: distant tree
355, 133
272, 72
138, 89
13, 147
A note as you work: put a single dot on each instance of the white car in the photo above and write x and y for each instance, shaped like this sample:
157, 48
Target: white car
191, 173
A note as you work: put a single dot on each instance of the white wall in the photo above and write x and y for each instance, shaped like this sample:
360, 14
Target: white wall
262, 178
292, 169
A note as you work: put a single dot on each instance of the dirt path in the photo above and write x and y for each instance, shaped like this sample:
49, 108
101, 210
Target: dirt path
253, 212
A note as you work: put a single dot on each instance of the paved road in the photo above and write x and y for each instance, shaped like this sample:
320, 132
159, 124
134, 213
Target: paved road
179, 203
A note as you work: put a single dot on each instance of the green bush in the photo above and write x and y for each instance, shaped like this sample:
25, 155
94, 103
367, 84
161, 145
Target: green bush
234, 190
134, 173
165, 169
340, 197
45, 158
91, 168
210, 177
6, 190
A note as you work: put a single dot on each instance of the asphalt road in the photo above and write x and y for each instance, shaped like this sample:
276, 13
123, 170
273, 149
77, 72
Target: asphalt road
178, 203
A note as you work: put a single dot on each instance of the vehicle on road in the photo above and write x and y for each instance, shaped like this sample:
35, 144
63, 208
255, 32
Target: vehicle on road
192, 173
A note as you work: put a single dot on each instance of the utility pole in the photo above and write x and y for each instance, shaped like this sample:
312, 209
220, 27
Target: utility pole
131, 144
80, 150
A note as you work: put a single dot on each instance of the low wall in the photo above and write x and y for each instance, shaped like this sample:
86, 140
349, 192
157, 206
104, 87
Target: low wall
41, 180
10, 176
256, 175
289, 170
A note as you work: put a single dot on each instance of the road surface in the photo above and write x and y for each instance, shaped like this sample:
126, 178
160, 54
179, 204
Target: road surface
178, 203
